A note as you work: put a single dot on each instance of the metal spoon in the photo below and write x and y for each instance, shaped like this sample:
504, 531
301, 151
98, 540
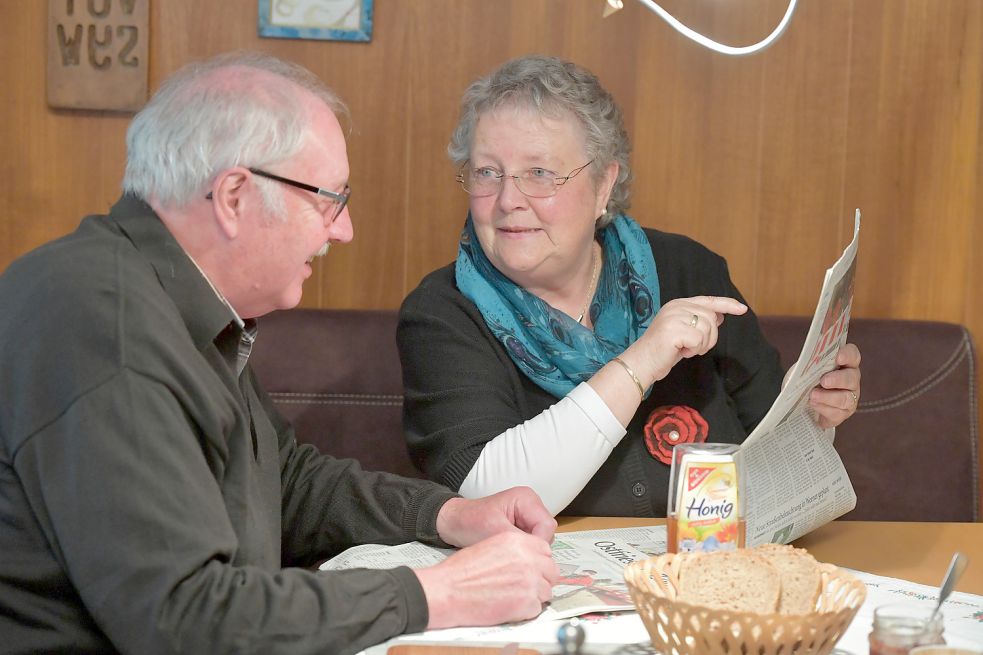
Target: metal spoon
952, 575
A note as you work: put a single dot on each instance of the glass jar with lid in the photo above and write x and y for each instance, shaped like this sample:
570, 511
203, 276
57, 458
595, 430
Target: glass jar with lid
899, 628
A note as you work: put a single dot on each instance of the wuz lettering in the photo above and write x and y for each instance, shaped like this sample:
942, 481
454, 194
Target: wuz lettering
95, 32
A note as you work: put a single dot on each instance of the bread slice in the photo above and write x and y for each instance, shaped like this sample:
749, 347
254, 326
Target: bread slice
801, 579
737, 581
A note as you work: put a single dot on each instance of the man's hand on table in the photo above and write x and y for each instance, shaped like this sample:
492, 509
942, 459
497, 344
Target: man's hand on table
462, 522
505, 571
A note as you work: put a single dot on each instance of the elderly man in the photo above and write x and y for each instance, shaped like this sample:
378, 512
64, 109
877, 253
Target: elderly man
151, 498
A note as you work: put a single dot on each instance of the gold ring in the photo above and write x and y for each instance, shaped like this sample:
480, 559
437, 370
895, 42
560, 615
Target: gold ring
856, 398
693, 322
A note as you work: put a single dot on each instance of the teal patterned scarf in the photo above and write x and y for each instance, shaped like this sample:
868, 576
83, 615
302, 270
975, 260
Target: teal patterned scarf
553, 349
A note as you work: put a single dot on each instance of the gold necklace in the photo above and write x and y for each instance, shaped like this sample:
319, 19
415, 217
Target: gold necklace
590, 288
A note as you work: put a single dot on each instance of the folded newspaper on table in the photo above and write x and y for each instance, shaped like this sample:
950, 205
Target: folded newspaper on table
794, 480
591, 566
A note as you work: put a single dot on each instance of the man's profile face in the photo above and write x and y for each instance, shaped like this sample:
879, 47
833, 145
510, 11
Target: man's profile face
278, 249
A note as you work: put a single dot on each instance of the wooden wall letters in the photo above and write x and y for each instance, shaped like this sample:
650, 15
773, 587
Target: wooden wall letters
97, 54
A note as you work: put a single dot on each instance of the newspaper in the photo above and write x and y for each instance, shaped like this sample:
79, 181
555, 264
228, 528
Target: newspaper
794, 480
591, 566
624, 633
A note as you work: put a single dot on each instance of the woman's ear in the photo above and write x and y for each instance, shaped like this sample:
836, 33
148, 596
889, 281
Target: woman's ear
606, 186
228, 199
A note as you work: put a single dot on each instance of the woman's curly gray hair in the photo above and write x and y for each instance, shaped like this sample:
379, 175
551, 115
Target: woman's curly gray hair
552, 86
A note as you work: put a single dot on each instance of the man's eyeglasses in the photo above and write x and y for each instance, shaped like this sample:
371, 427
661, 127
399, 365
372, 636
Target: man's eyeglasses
339, 199
535, 182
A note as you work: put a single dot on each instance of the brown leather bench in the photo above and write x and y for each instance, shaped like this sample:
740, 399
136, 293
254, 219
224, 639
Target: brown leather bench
911, 449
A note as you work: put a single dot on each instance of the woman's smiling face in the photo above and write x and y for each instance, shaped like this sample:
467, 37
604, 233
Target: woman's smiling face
535, 241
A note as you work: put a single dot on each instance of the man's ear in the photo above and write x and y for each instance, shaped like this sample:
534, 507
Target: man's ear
229, 199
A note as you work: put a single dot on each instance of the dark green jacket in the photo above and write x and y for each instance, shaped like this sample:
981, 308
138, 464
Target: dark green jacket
150, 498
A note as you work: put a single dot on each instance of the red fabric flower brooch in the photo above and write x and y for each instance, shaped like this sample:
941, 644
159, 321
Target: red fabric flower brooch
670, 425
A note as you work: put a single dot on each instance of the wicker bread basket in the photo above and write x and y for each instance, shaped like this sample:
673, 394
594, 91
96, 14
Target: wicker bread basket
678, 628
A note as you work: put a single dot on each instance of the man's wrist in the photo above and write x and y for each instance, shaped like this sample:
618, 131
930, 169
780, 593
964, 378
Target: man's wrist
446, 520
436, 595
420, 514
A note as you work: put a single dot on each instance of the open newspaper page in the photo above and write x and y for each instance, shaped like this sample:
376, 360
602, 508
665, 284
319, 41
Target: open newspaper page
591, 566
794, 480
592, 569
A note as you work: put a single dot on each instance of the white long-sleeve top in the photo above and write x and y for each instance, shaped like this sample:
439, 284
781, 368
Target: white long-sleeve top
576, 435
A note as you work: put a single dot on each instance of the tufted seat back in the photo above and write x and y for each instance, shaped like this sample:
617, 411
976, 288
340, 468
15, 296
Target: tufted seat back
336, 375
910, 450
911, 447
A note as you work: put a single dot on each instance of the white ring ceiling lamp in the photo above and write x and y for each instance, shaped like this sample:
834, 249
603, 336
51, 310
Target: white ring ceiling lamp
734, 51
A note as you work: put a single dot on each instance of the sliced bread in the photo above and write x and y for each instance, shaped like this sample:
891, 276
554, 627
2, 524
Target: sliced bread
737, 581
801, 579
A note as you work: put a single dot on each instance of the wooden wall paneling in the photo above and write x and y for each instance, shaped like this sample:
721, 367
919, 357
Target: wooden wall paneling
913, 130
705, 130
802, 228
14, 78
727, 141
872, 181
952, 108
972, 290
606, 46
183, 31
971, 286
915, 161
935, 116
39, 131
447, 57
669, 113
385, 114
699, 129
57, 162
376, 82
609, 48
528, 28
25, 104
697, 121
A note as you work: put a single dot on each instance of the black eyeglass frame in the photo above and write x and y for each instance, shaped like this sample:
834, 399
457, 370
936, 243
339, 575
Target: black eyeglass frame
340, 198
557, 181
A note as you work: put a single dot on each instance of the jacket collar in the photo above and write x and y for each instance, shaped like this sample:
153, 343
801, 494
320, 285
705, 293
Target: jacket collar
205, 313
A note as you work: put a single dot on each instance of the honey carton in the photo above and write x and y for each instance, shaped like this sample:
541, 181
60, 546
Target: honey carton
706, 507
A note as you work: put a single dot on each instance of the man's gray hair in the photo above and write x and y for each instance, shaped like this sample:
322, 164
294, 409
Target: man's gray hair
199, 123
553, 86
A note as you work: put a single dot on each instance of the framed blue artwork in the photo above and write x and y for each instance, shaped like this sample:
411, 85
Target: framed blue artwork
334, 20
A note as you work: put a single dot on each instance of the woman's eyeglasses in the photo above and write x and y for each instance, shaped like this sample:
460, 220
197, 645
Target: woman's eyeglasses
535, 182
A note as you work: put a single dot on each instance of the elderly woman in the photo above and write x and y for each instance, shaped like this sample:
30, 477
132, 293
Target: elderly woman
563, 321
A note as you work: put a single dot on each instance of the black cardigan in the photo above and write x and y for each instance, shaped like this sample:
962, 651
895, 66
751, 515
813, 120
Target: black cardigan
462, 389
